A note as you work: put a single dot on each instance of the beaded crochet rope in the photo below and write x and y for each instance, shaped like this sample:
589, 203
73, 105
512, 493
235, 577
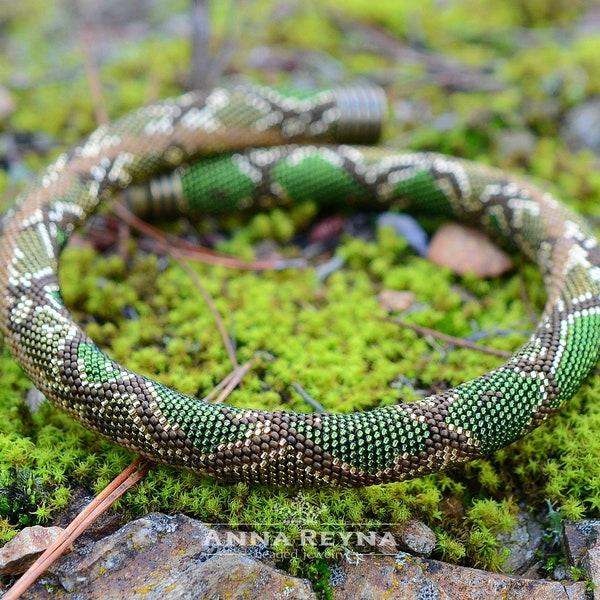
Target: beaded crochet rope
232, 148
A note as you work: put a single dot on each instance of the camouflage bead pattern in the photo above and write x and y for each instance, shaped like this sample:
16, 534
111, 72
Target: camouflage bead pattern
250, 147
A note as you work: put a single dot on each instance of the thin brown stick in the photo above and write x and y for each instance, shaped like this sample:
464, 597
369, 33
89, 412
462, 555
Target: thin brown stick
210, 303
234, 379
209, 397
533, 316
450, 339
123, 235
195, 252
235, 375
114, 490
179, 256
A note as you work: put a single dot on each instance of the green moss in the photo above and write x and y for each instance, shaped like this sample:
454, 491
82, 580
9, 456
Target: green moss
307, 29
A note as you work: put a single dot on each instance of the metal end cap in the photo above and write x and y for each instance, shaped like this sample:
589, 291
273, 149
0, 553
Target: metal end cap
363, 109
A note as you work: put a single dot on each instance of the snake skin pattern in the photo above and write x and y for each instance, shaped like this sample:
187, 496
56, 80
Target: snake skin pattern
284, 448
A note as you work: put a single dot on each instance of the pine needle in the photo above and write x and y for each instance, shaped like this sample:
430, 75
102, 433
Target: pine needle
449, 339
136, 471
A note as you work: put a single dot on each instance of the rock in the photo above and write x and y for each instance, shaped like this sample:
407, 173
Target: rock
464, 250
327, 228
578, 537
523, 542
267, 250
591, 563
582, 547
34, 399
406, 227
177, 557
387, 577
159, 557
396, 300
445, 121
516, 144
465, 583
582, 126
415, 537
17, 555
418, 579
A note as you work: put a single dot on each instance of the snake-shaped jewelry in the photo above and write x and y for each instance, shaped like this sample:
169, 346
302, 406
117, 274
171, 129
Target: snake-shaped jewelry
204, 139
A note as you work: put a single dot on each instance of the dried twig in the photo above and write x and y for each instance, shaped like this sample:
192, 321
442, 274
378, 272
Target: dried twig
231, 382
179, 256
192, 251
114, 490
123, 236
531, 313
209, 302
450, 339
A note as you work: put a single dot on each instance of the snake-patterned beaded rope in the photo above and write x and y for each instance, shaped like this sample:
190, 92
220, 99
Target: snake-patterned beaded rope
284, 448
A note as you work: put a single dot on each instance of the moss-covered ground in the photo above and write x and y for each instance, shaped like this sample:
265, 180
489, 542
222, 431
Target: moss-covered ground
477, 73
